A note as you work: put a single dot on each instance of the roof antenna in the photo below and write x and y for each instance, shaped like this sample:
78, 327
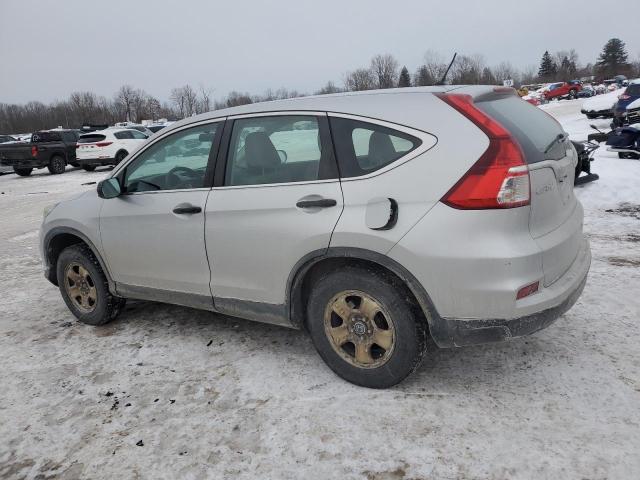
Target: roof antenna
444, 77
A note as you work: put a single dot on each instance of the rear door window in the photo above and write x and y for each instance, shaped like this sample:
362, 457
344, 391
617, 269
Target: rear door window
364, 147
278, 149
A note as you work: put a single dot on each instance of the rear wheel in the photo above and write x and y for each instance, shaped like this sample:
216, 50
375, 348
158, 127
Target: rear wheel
23, 172
56, 165
364, 328
84, 286
573, 94
120, 156
89, 168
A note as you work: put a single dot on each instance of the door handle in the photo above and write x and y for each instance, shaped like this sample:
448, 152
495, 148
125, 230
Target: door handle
187, 209
321, 203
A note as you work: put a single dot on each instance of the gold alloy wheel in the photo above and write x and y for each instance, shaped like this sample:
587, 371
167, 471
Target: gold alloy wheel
80, 287
359, 329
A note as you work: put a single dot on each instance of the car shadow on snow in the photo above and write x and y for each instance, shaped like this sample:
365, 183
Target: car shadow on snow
441, 370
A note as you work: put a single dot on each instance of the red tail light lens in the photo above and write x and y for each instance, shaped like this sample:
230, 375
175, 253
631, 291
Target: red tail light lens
103, 144
528, 290
500, 178
34, 151
77, 145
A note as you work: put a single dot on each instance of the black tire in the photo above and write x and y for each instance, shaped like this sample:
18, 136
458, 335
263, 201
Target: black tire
23, 172
106, 306
573, 94
89, 168
409, 327
121, 155
57, 165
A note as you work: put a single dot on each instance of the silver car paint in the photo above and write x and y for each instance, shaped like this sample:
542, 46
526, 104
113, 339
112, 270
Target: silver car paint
471, 263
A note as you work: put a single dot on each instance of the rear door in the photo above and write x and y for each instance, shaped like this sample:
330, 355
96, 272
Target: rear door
556, 216
276, 199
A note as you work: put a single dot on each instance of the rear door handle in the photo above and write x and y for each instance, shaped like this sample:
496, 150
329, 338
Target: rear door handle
187, 209
321, 203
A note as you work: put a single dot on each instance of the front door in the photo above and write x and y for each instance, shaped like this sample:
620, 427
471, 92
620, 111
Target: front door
279, 200
153, 234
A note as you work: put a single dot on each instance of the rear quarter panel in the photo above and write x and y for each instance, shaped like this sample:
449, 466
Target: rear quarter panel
416, 185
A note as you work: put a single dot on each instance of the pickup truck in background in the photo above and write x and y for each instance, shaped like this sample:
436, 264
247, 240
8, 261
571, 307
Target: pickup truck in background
563, 89
53, 149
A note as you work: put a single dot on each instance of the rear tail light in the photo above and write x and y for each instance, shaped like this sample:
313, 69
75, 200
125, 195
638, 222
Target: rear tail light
500, 178
77, 145
103, 144
34, 151
528, 290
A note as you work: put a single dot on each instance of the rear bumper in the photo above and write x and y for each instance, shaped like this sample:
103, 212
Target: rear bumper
96, 162
26, 163
553, 301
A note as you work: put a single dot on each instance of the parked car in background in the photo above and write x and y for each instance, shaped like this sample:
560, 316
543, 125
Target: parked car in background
5, 139
156, 128
135, 126
563, 89
600, 106
107, 147
627, 108
587, 92
361, 218
54, 149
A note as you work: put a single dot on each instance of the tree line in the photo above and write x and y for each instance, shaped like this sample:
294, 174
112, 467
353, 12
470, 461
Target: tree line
383, 71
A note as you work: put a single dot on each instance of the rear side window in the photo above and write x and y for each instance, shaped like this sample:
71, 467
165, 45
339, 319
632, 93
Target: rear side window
532, 127
123, 135
136, 135
91, 138
364, 147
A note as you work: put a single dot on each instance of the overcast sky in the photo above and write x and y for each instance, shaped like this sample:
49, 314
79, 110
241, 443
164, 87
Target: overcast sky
49, 49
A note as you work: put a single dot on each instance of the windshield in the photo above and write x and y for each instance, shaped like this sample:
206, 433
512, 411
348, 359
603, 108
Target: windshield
533, 128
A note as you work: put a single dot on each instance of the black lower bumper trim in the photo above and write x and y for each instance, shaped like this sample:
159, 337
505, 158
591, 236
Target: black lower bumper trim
459, 333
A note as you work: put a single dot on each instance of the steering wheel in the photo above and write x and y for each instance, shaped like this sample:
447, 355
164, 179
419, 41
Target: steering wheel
174, 179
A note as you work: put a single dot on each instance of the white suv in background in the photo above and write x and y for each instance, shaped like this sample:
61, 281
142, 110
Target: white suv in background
371, 220
107, 147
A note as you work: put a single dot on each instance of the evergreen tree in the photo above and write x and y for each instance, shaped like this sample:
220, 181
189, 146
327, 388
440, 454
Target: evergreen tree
548, 68
405, 78
613, 59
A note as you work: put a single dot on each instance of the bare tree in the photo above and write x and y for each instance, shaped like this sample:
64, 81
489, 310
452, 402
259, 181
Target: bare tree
124, 100
360, 79
330, 87
205, 99
384, 69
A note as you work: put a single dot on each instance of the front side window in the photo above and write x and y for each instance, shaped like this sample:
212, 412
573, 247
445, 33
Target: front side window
277, 149
364, 147
176, 162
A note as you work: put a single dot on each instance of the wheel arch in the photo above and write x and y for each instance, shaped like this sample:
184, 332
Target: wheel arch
59, 238
315, 263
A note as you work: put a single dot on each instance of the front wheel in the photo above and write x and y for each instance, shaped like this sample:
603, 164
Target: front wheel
364, 328
84, 286
23, 172
56, 165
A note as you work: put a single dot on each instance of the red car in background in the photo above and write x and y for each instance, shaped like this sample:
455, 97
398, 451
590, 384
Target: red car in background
563, 89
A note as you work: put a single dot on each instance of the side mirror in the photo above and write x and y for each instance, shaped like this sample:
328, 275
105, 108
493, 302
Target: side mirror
109, 188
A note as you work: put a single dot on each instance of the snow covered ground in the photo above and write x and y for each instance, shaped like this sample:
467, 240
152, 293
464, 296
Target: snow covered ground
169, 392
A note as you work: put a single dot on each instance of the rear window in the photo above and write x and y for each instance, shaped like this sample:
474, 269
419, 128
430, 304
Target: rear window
633, 89
532, 127
46, 137
91, 138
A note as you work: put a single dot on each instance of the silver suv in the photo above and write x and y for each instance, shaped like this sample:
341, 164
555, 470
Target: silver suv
371, 220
